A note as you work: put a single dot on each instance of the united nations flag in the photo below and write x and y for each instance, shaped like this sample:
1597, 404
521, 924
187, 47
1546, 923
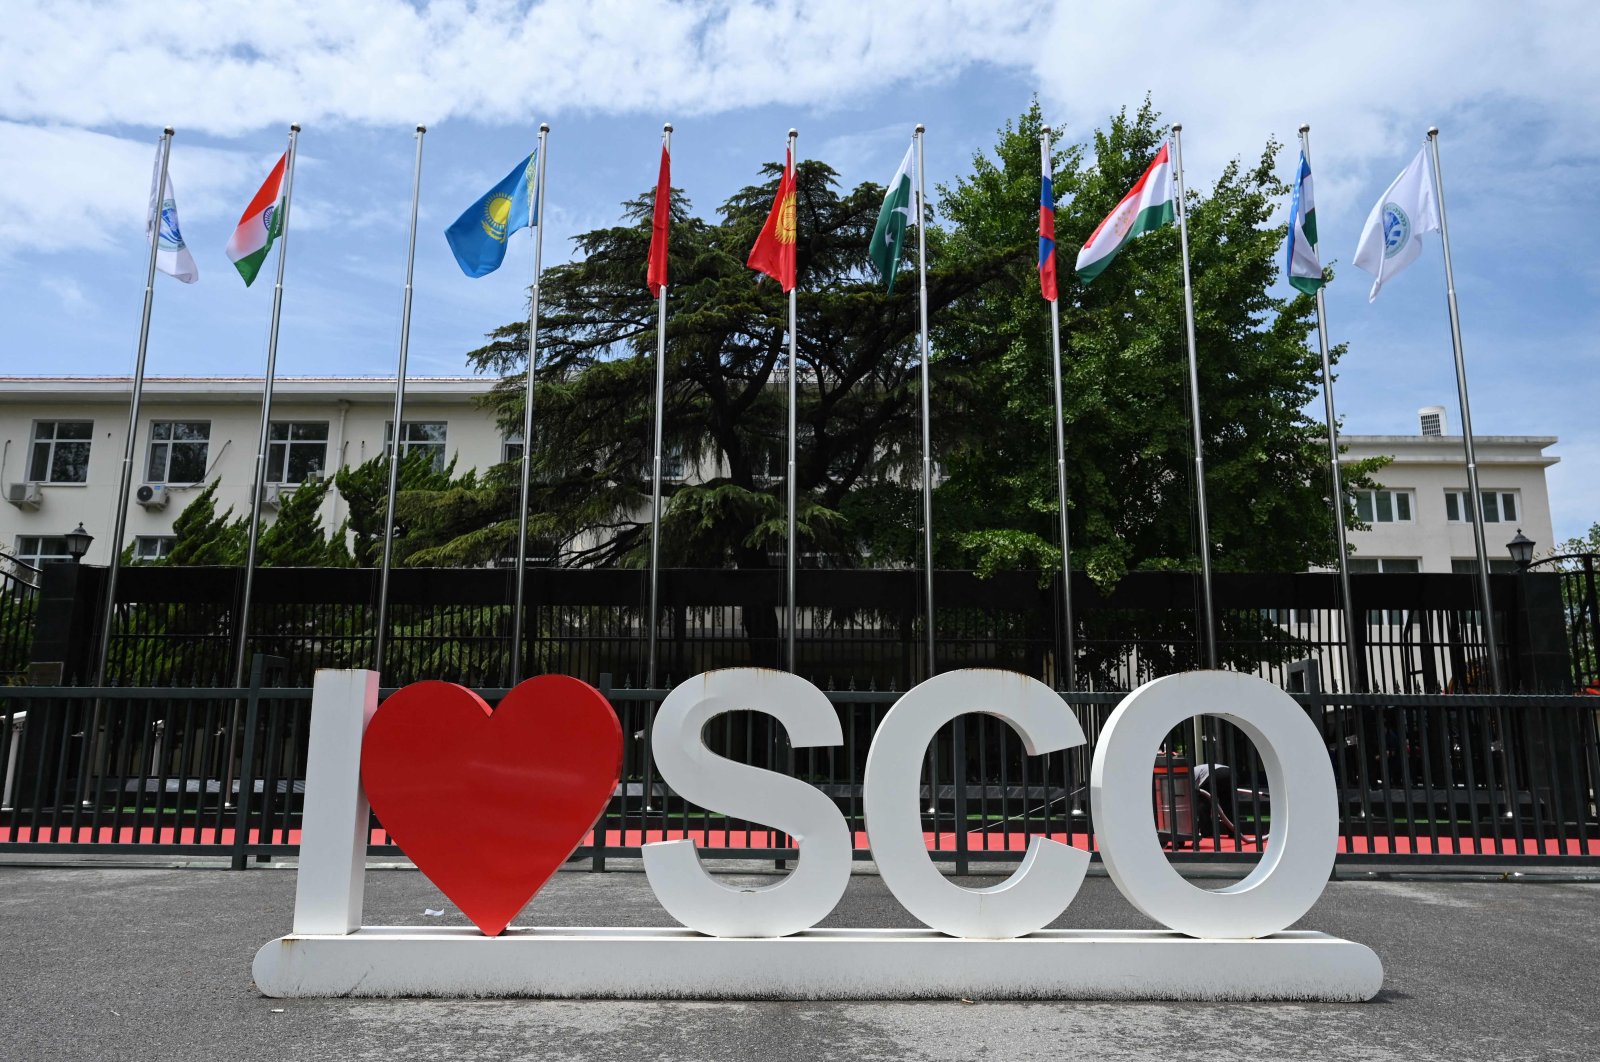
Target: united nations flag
478, 237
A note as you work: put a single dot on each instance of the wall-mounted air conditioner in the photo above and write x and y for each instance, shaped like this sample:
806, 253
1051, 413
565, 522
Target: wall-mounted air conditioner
273, 495
152, 496
25, 496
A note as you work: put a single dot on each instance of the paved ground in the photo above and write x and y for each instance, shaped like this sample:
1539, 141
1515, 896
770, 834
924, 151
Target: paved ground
154, 963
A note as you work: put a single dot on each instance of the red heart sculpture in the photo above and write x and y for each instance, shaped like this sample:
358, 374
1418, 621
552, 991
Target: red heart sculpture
489, 803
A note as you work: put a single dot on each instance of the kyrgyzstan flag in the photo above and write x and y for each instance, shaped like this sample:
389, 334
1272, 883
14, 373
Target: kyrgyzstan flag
773, 253
656, 275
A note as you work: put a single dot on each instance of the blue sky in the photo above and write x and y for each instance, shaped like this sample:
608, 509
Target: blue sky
85, 88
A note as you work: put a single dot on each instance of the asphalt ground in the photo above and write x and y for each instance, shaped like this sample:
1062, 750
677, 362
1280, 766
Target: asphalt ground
153, 963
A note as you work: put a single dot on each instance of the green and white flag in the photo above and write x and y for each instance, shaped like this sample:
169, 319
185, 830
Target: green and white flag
889, 236
1305, 266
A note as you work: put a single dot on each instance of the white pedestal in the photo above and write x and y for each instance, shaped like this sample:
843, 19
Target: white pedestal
819, 964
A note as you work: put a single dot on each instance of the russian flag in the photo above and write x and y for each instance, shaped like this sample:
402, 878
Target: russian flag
1047, 240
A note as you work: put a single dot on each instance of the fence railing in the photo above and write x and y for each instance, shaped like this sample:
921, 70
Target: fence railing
19, 601
856, 629
1453, 778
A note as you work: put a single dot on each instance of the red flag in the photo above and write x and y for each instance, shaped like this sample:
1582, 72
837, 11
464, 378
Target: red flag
656, 276
773, 253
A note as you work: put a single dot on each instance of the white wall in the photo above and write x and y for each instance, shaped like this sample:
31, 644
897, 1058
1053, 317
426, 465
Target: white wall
357, 412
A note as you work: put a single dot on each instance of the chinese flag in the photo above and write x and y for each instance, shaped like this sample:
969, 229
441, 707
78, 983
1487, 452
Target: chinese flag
773, 253
656, 277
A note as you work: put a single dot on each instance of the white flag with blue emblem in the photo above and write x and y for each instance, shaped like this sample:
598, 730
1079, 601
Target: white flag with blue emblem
1391, 239
161, 224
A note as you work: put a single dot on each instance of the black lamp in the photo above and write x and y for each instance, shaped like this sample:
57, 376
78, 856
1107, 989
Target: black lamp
1521, 550
78, 543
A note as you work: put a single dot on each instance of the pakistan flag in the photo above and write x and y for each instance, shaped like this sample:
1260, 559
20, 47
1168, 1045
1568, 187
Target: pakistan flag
889, 236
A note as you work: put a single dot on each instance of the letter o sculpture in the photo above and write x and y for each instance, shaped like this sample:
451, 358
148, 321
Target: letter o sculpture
1305, 818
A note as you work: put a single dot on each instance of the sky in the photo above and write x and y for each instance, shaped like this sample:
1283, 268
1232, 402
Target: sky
86, 87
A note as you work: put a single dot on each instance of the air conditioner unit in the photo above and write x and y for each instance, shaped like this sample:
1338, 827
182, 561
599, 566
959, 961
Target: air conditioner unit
25, 496
152, 496
273, 495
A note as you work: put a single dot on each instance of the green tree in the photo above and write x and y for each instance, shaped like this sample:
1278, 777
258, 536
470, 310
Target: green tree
1125, 379
365, 489
202, 536
725, 406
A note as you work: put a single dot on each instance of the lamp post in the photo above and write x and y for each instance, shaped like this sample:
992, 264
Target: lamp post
78, 541
1521, 550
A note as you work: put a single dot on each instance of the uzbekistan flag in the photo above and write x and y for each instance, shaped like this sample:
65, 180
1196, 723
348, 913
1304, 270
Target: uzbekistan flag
1304, 266
1047, 239
773, 253
1148, 206
261, 224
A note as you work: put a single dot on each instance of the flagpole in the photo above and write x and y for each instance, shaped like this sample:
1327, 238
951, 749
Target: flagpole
1210, 616
1353, 670
927, 434
1070, 671
120, 514
655, 466
1475, 499
266, 421
537, 224
793, 373
381, 641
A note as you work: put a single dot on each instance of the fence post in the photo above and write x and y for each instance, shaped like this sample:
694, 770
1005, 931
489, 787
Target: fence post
247, 766
65, 631
597, 852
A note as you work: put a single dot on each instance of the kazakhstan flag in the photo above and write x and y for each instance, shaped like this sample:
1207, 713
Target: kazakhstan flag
478, 237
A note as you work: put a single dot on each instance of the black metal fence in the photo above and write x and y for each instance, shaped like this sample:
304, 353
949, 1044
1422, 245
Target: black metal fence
1454, 778
19, 601
1579, 574
856, 629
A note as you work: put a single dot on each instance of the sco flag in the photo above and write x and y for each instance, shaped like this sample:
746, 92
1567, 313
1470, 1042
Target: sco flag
261, 223
161, 224
889, 236
1391, 239
478, 237
1146, 207
1304, 265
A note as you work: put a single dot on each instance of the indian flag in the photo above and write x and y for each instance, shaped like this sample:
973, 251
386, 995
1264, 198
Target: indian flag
261, 223
1148, 206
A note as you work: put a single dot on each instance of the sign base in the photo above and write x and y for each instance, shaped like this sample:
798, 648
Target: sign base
818, 964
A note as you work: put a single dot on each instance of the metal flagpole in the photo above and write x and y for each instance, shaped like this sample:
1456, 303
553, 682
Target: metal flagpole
381, 641
655, 466
793, 372
927, 440
537, 224
1353, 669
1475, 498
120, 515
266, 420
1210, 617
1070, 671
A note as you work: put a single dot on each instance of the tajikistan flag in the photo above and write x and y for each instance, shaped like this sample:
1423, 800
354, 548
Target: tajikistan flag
261, 223
889, 236
1148, 206
1305, 267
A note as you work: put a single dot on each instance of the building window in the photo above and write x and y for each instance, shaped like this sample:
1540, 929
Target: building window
427, 436
296, 450
178, 450
1383, 506
511, 448
150, 548
1499, 506
38, 550
60, 451
1385, 566
1497, 566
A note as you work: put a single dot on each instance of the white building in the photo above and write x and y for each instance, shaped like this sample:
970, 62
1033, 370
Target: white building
1419, 521
62, 441
62, 438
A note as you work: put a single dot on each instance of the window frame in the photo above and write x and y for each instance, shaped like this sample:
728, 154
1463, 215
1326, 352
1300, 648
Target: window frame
439, 446
1454, 509
167, 446
53, 445
1398, 498
287, 446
